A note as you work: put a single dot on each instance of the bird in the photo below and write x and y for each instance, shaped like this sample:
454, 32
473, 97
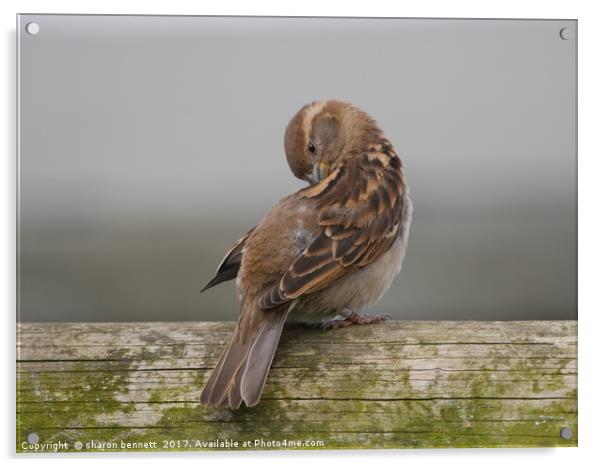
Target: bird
321, 254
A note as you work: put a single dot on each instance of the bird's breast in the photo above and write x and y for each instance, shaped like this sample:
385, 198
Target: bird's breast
362, 288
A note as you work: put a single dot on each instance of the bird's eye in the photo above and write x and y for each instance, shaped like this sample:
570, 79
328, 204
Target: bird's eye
311, 147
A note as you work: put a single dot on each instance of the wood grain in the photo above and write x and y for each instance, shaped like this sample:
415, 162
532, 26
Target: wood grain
392, 385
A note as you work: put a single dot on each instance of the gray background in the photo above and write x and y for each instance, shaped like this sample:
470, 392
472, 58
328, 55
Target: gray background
148, 145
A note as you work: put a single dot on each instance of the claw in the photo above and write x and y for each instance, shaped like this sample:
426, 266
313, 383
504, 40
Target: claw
355, 318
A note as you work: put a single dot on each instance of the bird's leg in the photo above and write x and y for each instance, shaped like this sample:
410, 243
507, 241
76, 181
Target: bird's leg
351, 317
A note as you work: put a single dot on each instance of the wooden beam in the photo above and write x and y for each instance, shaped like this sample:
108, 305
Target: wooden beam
393, 385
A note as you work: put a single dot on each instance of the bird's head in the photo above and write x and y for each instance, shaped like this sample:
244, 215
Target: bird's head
321, 134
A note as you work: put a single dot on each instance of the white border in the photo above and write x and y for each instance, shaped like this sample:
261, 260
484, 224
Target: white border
590, 236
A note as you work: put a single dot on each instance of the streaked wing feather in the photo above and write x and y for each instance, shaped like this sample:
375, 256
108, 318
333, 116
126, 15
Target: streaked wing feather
361, 206
228, 268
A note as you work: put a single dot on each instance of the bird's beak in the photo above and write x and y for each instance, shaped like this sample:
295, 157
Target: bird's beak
319, 173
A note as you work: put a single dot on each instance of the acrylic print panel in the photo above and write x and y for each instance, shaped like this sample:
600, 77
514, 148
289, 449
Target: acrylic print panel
148, 145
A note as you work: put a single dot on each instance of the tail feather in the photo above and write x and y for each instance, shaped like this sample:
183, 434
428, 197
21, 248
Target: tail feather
234, 356
234, 396
260, 359
206, 398
242, 369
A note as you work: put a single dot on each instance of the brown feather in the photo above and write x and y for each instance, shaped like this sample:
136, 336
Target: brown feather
228, 268
260, 357
256, 335
346, 220
361, 207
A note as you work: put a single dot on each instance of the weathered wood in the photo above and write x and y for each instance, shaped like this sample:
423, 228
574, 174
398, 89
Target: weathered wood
393, 385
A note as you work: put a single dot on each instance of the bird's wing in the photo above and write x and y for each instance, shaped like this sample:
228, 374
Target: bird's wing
361, 205
228, 268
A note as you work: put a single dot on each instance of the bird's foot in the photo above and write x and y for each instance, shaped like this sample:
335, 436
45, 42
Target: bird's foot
355, 318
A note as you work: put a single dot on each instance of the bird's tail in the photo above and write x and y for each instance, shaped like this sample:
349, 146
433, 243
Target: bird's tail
243, 367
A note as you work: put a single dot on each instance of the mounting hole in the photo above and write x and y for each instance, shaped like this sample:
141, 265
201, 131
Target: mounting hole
33, 438
566, 34
566, 433
32, 28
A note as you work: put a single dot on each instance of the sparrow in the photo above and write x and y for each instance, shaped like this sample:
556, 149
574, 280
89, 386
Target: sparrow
321, 254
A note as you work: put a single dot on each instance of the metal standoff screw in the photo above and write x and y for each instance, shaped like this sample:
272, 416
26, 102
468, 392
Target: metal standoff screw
32, 28
566, 34
566, 433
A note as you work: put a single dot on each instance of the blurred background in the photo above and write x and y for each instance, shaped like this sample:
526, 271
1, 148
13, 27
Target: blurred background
149, 145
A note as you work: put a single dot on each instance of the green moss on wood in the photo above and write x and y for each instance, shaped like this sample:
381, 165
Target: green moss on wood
396, 385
